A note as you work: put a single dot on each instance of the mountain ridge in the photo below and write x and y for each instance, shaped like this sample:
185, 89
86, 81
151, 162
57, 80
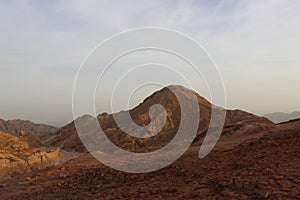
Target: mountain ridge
14, 127
279, 117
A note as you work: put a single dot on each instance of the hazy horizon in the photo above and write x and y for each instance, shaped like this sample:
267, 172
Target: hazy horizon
254, 44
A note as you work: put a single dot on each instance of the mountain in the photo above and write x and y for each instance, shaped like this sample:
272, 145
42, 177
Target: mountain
67, 137
279, 117
14, 127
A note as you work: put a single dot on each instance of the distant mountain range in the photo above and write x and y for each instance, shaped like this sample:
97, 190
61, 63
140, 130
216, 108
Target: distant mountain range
279, 117
14, 127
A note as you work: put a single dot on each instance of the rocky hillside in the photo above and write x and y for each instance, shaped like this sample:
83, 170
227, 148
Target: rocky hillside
67, 137
248, 162
23, 153
15, 126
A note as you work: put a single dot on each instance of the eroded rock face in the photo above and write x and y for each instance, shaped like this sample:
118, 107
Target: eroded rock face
19, 154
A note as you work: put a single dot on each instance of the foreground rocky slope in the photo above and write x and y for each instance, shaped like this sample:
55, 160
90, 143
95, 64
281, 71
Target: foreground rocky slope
265, 166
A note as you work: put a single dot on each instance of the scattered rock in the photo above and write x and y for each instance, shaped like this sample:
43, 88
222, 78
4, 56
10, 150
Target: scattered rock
279, 177
2, 185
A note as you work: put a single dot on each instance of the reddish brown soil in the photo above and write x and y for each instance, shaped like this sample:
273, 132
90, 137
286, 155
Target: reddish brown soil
265, 166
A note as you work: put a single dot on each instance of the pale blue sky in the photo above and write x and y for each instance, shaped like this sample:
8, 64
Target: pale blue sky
255, 44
